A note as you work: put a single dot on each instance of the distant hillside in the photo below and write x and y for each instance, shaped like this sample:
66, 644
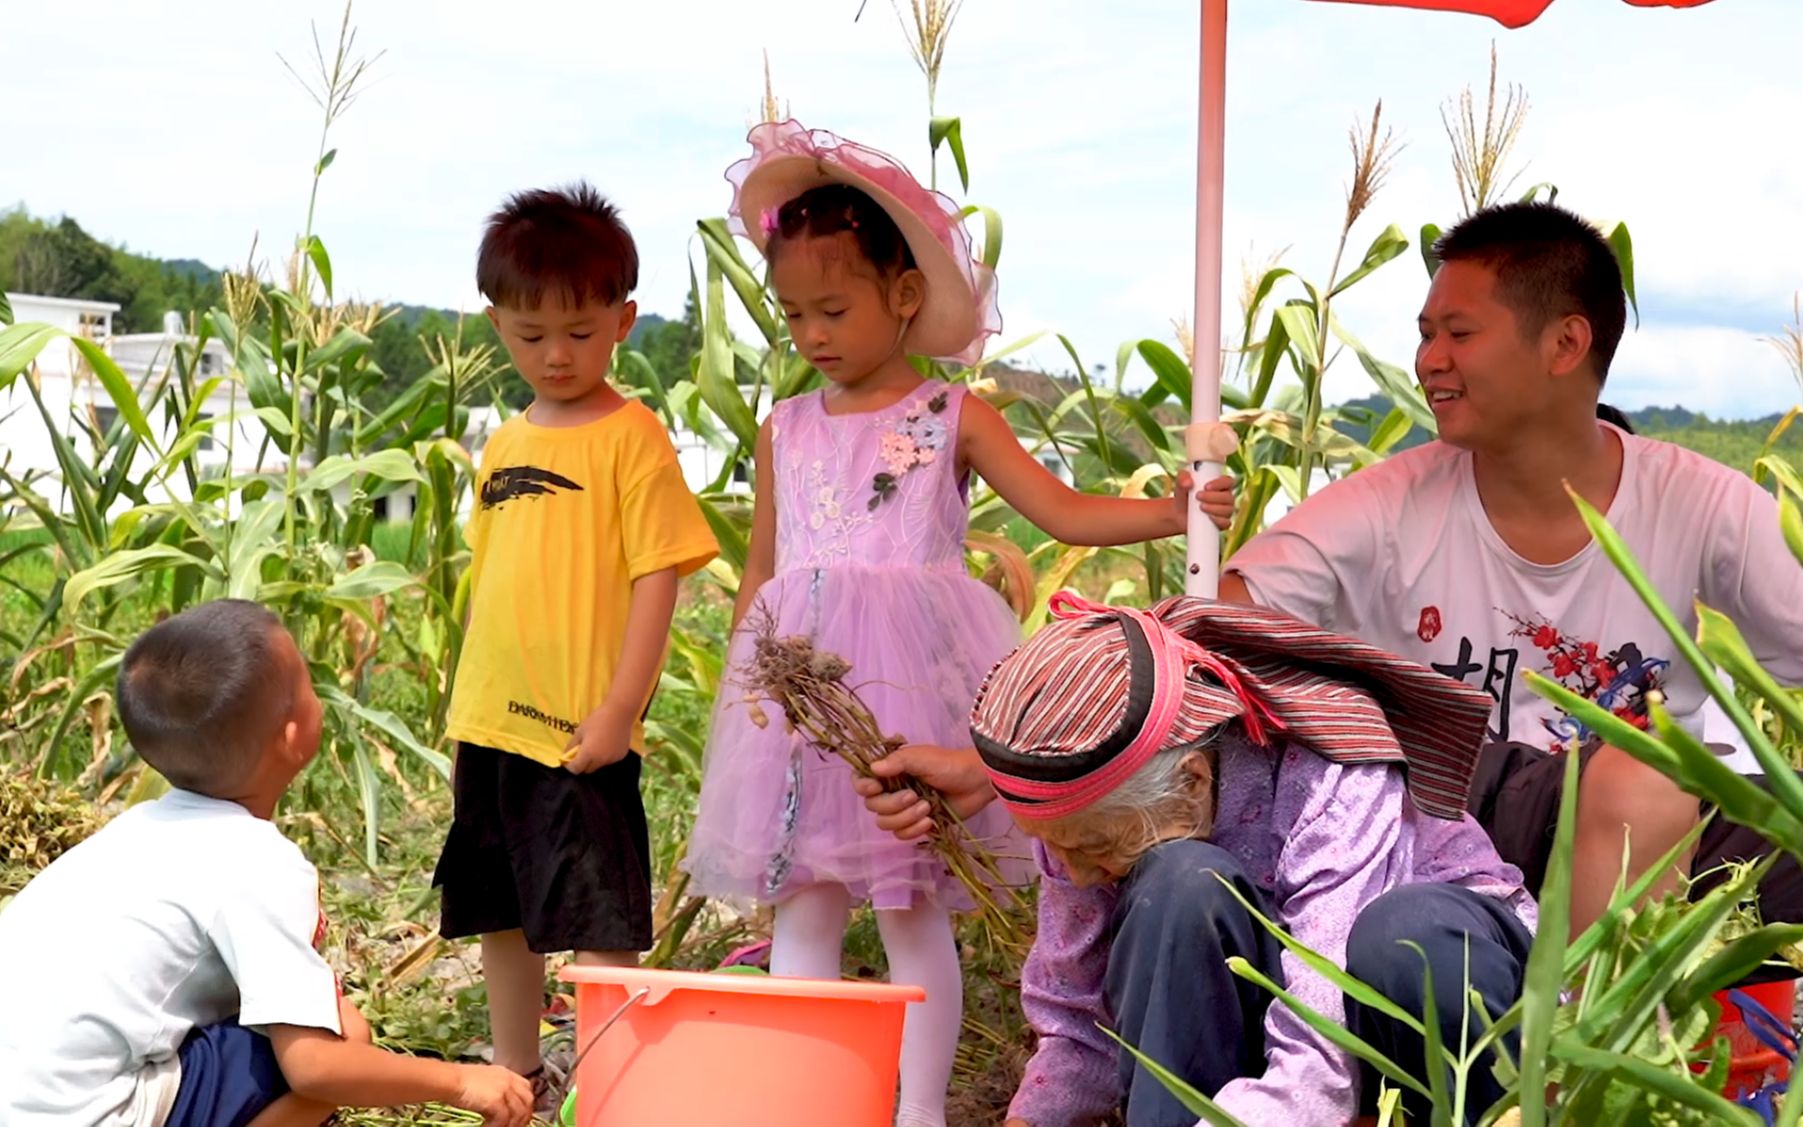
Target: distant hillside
55, 257
1734, 443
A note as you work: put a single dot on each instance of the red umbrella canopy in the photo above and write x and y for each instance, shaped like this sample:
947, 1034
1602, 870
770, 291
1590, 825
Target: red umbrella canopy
1509, 13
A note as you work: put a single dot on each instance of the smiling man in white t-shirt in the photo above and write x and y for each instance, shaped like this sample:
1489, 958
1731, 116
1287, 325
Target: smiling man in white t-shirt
1466, 554
164, 973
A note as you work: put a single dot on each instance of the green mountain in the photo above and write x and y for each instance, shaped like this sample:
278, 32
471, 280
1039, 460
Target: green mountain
57, 258
1733, 442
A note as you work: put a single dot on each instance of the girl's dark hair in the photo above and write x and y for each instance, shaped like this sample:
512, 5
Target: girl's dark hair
833, 209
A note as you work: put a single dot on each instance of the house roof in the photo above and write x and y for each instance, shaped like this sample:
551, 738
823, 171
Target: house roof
64, 302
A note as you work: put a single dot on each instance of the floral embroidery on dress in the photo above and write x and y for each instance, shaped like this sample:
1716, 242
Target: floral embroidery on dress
826, 507
917, 440
832, 520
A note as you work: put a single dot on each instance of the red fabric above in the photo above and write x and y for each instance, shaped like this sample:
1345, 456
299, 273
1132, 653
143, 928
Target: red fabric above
1509, 13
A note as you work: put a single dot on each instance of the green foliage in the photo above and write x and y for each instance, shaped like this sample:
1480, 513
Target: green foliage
60, 259
134, 512
361, 403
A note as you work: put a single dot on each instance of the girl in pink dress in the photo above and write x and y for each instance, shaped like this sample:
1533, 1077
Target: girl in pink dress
862, 496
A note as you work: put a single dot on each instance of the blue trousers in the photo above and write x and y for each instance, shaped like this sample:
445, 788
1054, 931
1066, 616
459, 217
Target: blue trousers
1172, 996
229, 1075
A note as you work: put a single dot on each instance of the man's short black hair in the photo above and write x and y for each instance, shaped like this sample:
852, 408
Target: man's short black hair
564, 244
1548, 264
202, 692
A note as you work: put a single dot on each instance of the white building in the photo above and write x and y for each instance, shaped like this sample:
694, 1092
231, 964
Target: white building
79, 406
26, 445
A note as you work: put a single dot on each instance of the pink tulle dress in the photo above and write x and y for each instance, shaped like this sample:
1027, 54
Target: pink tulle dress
870, 522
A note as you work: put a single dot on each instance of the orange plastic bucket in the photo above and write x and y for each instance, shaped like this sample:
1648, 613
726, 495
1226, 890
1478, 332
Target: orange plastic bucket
700, 1050
1753, 1065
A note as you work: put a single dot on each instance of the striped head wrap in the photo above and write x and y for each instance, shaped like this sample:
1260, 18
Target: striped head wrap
1089, 699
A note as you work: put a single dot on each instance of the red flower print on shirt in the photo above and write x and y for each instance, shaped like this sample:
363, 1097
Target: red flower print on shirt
1430, 626
1619, 680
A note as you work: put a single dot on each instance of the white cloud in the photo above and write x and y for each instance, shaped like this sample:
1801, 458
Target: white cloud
183, 136
1717, 371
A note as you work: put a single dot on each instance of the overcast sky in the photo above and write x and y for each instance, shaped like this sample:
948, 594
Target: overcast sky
173, 128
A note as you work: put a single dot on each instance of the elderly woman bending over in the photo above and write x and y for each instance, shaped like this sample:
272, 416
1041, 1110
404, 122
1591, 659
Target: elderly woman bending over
1178, 764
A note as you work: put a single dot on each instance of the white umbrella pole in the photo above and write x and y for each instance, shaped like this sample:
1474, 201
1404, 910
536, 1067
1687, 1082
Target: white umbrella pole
1206, 444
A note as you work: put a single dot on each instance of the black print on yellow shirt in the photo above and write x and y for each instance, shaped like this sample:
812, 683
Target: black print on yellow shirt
510, 482
520, 708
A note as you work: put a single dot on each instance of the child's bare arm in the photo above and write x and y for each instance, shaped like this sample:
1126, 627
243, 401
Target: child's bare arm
760, 558
647, 638
319, 1065
605, 736
988, 445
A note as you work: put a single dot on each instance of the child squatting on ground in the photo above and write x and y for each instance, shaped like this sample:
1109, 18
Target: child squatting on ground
582, 528
1179, 764
163, 973
862, 505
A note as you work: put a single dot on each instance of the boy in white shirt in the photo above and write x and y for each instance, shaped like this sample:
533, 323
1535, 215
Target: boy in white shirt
164, 972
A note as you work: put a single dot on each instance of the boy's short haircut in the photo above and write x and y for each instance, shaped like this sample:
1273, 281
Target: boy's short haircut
1549, 263
564, 244
199, 694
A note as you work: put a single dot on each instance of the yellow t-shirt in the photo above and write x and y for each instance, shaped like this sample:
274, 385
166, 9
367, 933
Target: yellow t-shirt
565, 519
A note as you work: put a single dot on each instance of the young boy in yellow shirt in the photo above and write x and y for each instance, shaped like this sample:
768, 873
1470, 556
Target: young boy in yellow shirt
581, 530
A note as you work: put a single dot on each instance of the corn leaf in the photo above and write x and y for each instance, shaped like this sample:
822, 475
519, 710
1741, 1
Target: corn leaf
388, 465
1695, 768
1440, 1109
117, 567
322, 262
1678, 1089
379, 577
1260, 293
19, 346
717, 374
1546, 960
1388, 244
1325, 967
992, 232
1335, 1031
1786, 787
118, 388
1168, 370
1193, 1101
949, 131
1732, 964
1725, 645
723, 254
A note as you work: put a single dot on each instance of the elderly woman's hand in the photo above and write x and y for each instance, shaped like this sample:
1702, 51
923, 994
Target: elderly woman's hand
956, 773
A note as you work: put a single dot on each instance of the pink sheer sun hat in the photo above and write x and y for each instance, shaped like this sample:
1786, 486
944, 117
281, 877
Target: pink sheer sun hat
787, 158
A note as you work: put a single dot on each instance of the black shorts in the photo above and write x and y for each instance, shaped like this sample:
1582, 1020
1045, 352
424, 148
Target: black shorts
565, 858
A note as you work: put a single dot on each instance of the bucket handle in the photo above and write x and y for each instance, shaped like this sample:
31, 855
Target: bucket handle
632, 1000
1764, 1025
